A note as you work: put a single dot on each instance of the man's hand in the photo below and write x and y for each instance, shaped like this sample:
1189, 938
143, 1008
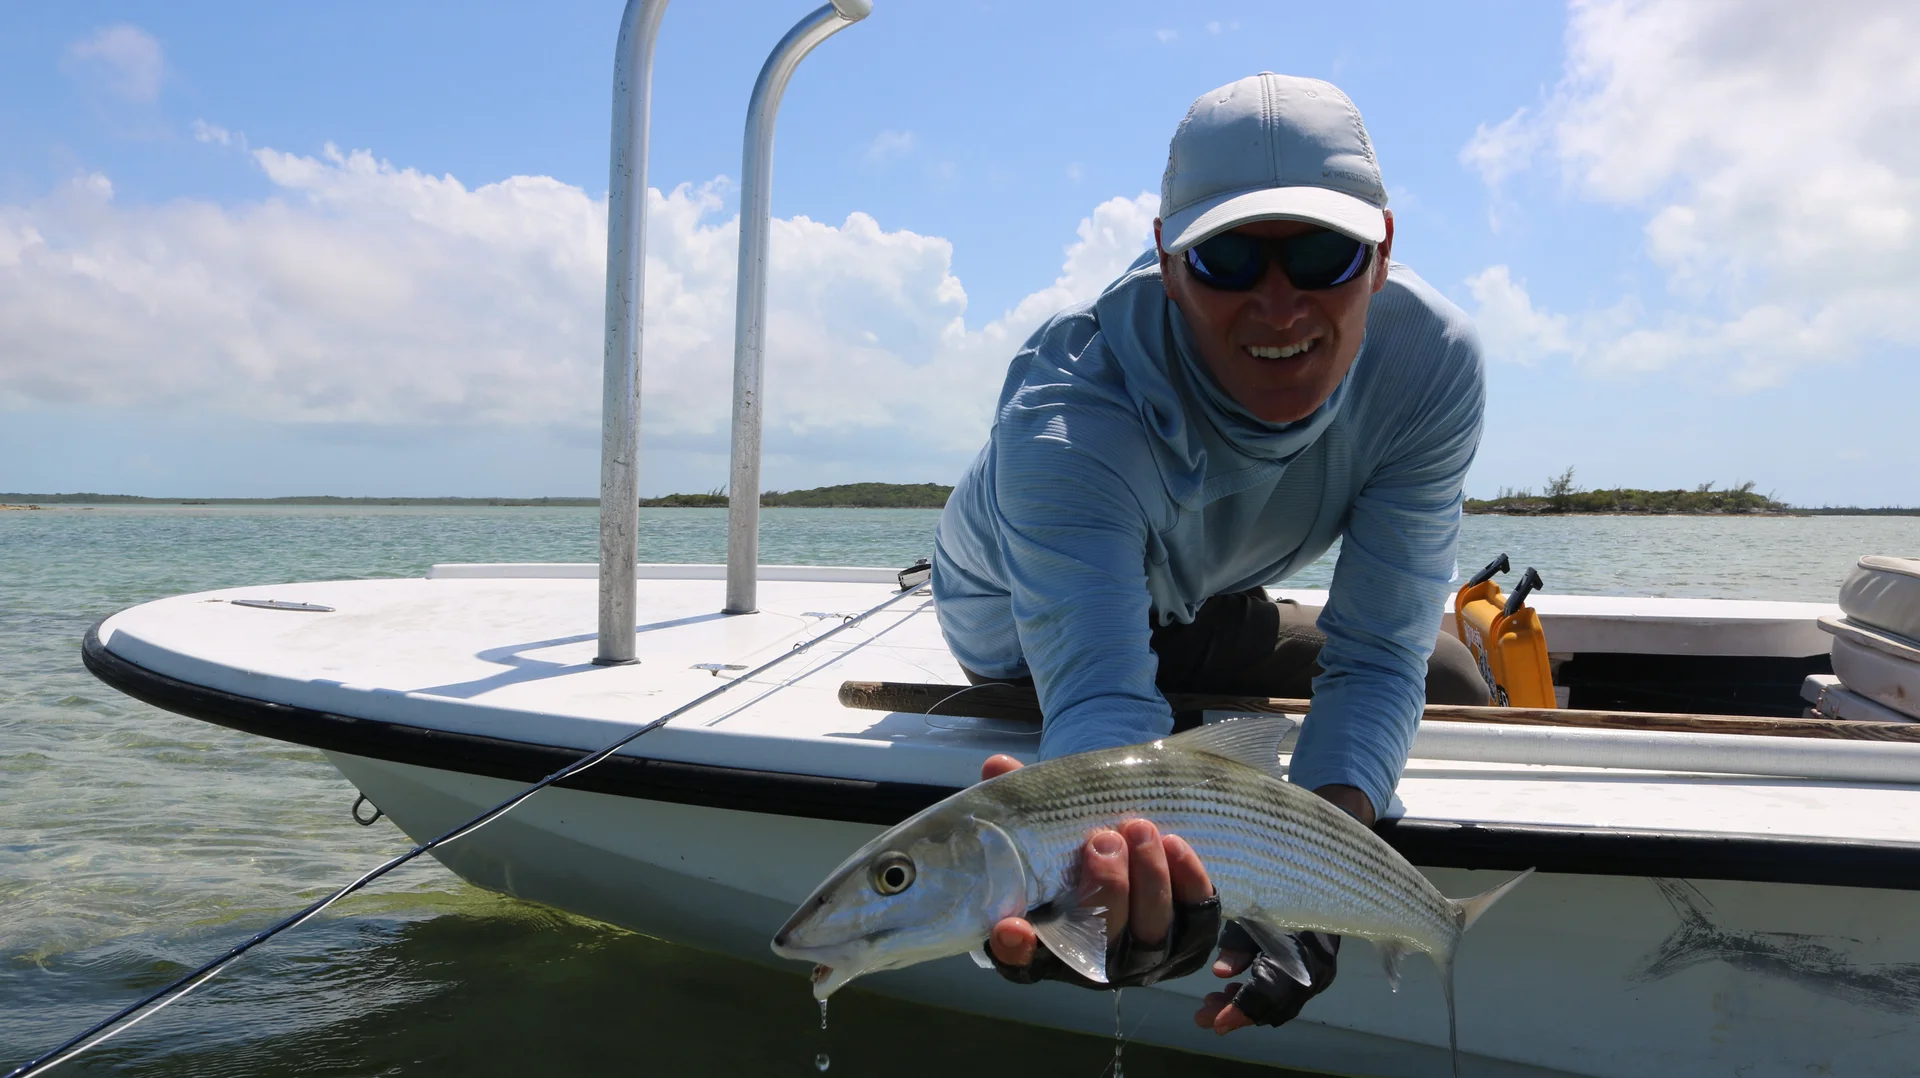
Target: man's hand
1217, 1011
1141, 873
1137, 873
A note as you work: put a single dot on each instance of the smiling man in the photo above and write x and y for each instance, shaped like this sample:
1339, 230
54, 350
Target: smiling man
1263, 384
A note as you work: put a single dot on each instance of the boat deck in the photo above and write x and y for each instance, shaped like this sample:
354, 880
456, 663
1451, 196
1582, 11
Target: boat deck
504, 653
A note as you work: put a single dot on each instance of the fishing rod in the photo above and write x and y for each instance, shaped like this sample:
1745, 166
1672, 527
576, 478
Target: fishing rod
911, 580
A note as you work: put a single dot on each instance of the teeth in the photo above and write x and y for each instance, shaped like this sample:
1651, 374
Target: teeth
1288, 352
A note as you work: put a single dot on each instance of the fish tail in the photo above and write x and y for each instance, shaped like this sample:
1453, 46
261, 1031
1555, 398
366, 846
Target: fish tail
1468, 910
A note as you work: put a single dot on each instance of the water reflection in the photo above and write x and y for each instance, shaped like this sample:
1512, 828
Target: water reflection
523, 990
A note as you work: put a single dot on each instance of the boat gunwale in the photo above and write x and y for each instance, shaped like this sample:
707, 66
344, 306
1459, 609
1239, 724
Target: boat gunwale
1552, 848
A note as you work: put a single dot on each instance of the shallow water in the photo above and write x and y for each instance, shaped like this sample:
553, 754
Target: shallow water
134, 843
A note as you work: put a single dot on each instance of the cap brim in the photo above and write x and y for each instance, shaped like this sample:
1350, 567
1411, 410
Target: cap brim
1316, 205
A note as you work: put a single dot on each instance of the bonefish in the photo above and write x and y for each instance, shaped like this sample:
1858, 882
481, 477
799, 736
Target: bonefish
1281, 859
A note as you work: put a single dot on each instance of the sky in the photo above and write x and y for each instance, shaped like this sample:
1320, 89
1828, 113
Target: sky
358, 248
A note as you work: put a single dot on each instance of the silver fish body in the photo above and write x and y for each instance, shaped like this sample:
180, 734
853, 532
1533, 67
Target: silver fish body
1281, 860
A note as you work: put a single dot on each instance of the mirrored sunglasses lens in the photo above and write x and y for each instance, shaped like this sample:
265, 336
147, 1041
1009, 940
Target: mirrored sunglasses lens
1228, 261
1324, 260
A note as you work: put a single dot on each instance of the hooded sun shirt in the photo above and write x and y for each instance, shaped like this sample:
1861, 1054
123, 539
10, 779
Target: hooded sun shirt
1121, 483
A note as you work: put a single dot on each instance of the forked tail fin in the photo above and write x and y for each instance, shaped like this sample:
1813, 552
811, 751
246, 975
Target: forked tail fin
1468, 910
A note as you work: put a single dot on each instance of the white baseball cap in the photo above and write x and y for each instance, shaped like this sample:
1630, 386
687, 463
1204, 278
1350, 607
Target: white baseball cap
1271, 148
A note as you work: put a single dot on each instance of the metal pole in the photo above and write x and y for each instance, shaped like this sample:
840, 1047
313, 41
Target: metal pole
750, 311
626, 295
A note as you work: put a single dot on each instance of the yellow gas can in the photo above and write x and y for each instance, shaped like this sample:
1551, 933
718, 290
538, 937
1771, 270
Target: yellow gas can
1506, 638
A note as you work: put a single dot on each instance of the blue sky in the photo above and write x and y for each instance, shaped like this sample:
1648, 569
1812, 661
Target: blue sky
263, 249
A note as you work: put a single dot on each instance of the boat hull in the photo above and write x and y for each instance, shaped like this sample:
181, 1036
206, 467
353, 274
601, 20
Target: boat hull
1572, 974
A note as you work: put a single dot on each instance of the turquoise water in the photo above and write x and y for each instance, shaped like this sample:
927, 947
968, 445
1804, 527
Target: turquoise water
135, 844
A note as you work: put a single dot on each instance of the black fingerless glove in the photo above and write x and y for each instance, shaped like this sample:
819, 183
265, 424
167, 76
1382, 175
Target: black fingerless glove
1269, 996
1189, 943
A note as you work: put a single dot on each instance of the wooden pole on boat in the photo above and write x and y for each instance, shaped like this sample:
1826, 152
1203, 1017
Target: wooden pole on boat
626, 289
1018, 703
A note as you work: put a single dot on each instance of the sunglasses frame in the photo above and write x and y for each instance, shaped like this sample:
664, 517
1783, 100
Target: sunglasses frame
1275, 252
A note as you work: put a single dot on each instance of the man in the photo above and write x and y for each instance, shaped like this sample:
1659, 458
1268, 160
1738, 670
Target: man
1263, 384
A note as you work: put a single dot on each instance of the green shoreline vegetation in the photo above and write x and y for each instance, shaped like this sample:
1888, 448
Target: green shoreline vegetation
1560, 497
844, 496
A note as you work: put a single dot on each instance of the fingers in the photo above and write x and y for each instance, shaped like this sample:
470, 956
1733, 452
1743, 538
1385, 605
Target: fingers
1218, 1013
1104, 871
1150, 887
1190, 882
1135, 874
998, 765
1232, 963
1013, 941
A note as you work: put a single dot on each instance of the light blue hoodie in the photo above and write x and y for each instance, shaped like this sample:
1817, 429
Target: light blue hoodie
1120, 482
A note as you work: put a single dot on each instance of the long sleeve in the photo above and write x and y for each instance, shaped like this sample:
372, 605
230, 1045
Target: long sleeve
1397, 559
1074, 538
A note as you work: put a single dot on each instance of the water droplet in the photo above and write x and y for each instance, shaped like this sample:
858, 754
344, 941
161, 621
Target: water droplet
823, 1021
821, 1062
1119, 1042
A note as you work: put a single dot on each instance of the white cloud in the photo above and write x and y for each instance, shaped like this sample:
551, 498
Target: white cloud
1503, 149
1167, 37
366, 293
217, 135
1768, 145
123, 59
1511, 330
890, 146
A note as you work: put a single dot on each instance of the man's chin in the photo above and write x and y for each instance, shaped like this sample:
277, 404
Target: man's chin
1282, 408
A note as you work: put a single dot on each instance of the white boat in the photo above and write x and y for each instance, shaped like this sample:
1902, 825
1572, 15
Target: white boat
1683, 921
1705, 903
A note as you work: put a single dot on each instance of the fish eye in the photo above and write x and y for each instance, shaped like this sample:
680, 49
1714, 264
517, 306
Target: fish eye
892, 873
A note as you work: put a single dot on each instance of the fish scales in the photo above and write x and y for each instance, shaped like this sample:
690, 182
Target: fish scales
1270, 849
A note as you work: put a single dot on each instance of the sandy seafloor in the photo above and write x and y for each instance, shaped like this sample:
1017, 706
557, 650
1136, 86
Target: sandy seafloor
135, 844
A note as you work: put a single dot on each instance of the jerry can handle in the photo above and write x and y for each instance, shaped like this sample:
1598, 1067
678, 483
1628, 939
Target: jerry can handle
1497, 565
1529, 582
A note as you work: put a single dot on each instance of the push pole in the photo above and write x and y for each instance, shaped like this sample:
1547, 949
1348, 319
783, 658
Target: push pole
750, 311
626, 294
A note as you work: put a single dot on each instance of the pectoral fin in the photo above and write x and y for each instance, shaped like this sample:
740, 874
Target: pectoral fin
1391, 954
1280, 946
1078, 937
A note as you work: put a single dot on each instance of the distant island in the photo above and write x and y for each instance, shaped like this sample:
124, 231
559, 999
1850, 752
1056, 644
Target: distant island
1562, 496
844, 496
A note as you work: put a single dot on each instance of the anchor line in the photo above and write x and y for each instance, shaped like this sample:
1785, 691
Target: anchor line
140, 1010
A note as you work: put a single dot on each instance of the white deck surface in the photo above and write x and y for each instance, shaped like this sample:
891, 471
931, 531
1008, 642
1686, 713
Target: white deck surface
509, 656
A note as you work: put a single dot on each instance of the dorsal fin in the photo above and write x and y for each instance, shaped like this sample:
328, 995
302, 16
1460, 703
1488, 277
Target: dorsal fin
1254, 741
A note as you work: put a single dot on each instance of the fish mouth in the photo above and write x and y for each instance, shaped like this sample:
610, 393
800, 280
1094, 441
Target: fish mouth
829, 979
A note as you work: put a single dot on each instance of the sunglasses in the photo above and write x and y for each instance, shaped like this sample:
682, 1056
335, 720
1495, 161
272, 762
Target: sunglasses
1313, 261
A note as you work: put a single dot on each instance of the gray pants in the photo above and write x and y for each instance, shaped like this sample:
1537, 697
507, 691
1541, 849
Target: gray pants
1247, 644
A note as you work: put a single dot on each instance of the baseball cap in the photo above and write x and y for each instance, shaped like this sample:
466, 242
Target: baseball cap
1271, 147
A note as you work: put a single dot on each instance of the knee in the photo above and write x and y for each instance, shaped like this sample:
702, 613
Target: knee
1453, 677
